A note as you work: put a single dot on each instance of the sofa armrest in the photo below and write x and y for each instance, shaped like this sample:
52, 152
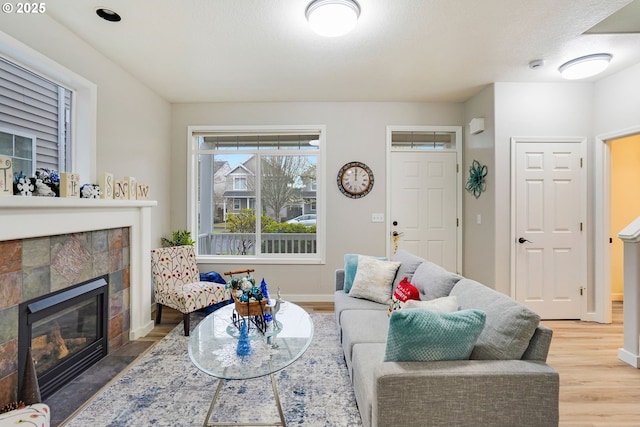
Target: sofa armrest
339, 279
465, 393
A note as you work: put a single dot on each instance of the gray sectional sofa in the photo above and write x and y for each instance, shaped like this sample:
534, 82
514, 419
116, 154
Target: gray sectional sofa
505, 382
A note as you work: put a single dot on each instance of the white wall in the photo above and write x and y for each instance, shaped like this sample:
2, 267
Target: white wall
355, 131
617, 102
479, 239
538, 110
133, 123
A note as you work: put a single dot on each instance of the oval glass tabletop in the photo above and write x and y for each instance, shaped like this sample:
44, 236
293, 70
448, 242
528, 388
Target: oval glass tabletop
213, 343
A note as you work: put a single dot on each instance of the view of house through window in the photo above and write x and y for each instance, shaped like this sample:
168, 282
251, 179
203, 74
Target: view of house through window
257, 194
35, 120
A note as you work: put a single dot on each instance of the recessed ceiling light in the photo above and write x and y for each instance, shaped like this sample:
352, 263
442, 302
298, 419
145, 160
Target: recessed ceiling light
585, 66
332, 18
108, 15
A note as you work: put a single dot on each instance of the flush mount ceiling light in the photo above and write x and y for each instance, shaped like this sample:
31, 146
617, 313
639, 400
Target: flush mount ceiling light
585, 66
332, 18
108, 15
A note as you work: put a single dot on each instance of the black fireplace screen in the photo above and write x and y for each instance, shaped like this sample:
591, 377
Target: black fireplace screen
67, 333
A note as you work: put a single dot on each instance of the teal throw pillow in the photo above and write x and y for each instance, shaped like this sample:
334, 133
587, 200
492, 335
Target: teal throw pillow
350, 269
419, 335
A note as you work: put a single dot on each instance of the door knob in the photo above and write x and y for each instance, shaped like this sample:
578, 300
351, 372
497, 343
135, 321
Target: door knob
522, 240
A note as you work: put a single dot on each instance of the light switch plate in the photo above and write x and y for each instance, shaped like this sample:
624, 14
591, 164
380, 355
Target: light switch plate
377, 217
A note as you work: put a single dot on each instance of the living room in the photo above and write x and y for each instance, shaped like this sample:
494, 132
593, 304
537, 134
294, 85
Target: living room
141, 122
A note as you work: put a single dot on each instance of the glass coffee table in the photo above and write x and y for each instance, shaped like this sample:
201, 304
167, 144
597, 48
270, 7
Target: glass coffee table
213, 343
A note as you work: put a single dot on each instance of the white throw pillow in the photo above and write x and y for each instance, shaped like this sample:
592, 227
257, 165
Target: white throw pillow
443, 305
374, 279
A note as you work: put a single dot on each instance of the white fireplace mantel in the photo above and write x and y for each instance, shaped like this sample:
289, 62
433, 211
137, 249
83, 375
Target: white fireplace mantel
28, 217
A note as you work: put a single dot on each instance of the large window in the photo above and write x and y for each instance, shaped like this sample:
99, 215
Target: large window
255, 192
35, 120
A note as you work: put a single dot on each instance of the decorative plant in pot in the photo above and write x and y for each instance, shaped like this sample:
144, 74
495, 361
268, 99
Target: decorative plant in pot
178, 238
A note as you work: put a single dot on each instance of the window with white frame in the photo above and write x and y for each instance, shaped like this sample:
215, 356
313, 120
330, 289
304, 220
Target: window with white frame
35, 120
253, 184
240, 183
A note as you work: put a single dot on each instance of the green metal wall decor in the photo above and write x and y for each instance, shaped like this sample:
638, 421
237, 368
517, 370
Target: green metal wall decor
476, 184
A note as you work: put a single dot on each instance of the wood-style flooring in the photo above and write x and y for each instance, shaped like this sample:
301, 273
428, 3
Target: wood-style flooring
596, 389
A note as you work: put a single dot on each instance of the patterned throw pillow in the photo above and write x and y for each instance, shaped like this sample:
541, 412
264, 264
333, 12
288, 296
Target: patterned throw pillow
417, 335
374, 279
350, 269
404, 292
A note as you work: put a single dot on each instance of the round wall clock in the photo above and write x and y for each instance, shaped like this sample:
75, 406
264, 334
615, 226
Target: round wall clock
355, 180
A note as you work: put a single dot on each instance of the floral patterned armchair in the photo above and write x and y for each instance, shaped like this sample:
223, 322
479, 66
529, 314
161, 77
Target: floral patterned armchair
32, 415
176, 283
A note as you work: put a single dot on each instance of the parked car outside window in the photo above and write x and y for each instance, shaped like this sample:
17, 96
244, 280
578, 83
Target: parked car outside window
307, 219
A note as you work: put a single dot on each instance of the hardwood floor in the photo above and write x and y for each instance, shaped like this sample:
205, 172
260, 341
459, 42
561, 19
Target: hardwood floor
596, 389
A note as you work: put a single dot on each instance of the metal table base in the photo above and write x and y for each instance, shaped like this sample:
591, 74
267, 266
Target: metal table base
281, 423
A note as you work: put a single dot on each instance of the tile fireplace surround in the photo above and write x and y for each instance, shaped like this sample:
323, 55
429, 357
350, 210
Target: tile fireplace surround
64, 242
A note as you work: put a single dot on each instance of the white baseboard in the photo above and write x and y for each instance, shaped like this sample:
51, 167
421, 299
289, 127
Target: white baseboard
628, 357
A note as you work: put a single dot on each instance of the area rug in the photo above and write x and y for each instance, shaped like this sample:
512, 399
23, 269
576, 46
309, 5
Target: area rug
163, 388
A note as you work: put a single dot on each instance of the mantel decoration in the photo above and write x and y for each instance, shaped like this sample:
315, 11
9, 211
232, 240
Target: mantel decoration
90, 191
51, 183
45, 183
476, 184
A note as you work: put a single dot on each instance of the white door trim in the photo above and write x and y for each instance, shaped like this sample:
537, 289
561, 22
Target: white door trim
602, 223
583, 209
458, 150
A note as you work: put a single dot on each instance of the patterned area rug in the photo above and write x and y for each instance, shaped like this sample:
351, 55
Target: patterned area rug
163, 388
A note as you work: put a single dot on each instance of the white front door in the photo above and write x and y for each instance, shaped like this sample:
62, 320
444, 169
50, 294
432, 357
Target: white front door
423, 200
549, 232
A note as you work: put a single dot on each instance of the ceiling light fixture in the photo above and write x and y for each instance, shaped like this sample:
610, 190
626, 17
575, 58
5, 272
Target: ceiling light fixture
332, 18
108, 15
585, 66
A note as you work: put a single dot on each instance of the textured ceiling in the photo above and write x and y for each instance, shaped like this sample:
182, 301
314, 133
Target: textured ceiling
400, 50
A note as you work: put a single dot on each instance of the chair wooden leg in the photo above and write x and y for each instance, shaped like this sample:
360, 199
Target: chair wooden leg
187, 324
158, 313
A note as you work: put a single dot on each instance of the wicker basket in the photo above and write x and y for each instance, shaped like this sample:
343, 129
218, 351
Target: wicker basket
251, 308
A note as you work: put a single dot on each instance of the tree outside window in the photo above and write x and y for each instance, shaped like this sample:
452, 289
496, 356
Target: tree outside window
239, 176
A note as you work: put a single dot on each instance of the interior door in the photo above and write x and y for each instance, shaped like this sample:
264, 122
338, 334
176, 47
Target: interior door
424, 205
550, 241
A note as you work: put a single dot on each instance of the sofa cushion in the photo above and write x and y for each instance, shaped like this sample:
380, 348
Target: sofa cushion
416, 335
374, 279
350, 269
443, 305
509, 325
409, 263
362, 326
343, 302
403, 293
433, 281
366, 357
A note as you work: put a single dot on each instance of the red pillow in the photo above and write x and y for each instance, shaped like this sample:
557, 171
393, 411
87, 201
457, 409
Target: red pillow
404, 292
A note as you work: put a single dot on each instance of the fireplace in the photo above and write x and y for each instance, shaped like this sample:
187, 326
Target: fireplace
67, 332
52, 243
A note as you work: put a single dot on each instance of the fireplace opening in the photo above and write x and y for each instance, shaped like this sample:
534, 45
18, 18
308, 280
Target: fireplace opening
66, 331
